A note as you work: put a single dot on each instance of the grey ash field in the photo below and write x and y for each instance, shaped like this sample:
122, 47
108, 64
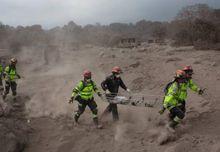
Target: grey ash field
41, 120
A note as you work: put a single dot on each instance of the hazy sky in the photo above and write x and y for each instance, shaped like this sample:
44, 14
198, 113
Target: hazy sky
50, 13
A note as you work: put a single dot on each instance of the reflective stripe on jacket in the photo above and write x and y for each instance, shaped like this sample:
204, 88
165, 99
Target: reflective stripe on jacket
177, 93
85, 90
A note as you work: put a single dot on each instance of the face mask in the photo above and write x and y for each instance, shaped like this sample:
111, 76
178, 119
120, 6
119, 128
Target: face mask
117, 75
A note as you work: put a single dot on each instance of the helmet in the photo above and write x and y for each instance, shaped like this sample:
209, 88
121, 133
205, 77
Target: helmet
188, 68
189, 71
13, 60
180, 74
87, 74
116, 69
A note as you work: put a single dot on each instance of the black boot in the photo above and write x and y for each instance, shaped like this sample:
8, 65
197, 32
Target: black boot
76, 118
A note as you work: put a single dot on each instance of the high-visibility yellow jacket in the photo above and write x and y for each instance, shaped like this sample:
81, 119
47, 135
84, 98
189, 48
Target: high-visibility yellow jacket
177, 93
85, 90
184, 86
10, 73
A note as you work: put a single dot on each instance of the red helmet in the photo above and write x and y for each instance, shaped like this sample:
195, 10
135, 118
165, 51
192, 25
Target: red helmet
180, 74
87, 74
188, 68
116, 69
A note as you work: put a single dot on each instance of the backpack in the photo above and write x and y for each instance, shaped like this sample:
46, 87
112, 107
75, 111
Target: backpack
165, 90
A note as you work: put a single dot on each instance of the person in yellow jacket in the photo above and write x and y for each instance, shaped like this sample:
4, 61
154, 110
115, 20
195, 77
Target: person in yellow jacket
10, 75
83, 93
175, 97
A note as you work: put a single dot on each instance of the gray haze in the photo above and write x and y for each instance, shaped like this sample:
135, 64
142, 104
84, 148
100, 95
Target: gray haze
50, 13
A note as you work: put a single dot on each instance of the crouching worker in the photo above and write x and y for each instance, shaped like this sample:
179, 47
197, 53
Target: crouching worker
83, 93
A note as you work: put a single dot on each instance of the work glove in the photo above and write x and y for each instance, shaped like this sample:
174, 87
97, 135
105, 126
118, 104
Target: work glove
71, 100
200, 91
128, 90
99, 94
161, 111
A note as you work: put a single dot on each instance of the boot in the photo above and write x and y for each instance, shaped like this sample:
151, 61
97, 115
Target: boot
4, 96
173, 124
76, 118
96, 122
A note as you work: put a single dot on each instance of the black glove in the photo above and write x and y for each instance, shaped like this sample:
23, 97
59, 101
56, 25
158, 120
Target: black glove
71, 100
99, 94
201, 91
161, 111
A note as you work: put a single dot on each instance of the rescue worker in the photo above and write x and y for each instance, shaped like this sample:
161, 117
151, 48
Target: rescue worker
111, 86
83, 93
190, 84
10, 75
174, 100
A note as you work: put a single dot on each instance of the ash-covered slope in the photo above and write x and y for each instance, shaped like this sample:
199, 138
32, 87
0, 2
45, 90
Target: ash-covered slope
147, 69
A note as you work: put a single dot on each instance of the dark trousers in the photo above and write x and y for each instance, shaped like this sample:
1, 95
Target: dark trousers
82, 106
178, 111
1, 80
114, 110
111, 108
12, 85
